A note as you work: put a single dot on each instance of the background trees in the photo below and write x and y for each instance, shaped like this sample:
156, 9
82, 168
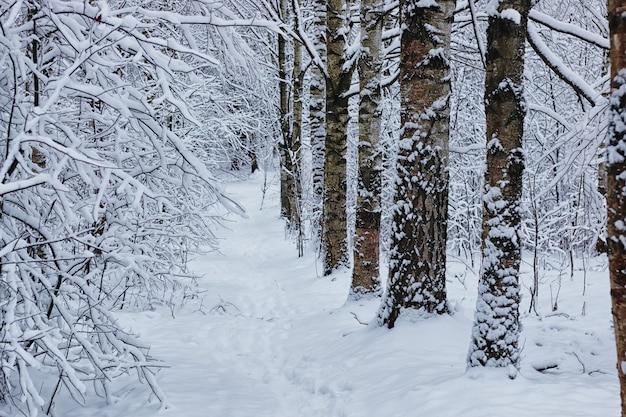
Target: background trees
560, 205
564, 205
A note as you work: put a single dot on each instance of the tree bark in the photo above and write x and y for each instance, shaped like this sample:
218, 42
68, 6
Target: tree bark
616, 185
289, 146
366, 254
334, 217
295, 148
419, 228
496, 322
317, 112
285, 125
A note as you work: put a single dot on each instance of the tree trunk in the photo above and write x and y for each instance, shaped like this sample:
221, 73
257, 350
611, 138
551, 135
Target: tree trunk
365, 275
419, 228
289, 147
294, 148
616, 185
496, 322
317, 112
334, 217
285, 124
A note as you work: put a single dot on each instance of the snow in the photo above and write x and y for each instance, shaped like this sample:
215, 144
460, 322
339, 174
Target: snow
426, 3
269, 337
511, 14
492, 7
572, 78
569, 28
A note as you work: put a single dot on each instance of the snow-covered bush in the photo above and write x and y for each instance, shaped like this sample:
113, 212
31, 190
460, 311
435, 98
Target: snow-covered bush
104, 189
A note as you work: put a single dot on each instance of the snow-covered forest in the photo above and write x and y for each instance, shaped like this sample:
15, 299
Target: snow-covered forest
312, 208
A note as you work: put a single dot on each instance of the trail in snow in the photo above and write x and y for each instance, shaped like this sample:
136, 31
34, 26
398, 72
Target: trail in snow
268, 337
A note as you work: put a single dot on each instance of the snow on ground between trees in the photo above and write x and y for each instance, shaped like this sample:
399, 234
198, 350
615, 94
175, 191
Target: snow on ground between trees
268, 336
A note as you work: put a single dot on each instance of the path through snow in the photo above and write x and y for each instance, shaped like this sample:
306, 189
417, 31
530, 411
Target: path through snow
268, 337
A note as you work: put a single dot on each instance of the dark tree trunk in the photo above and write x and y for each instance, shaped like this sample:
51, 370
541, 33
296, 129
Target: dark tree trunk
285, 125
616, 185
419, 230
289, 147
295, 143
496, 322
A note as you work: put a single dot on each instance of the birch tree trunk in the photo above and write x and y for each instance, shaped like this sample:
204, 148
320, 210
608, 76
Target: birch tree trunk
419, 228
334, 217
616, 184
494, 340
365, 275
317, 111
295, 147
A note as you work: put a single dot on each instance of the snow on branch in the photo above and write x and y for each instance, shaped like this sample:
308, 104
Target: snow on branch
212, 20
576, 147
301, 36
23, 184
569, 29
558, 66
206, 176
106, 186
549, 112
479, 41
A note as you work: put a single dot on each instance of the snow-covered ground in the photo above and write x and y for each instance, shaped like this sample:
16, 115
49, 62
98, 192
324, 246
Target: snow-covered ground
270, 337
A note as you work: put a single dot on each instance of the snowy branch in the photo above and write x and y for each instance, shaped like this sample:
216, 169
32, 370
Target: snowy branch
556, 64
569, 29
